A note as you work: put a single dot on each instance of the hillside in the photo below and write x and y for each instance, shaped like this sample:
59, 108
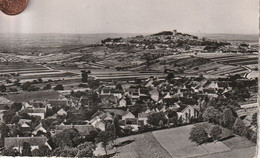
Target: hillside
164, 51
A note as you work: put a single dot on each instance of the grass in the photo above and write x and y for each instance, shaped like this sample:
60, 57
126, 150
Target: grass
28, 96
141, 145
176, 142
237, 153
238, 142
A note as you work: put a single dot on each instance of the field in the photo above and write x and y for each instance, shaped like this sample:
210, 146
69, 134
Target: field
142, 145
29, 96
174, 142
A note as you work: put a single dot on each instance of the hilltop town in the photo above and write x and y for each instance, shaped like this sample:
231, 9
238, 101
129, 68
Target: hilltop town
85, 100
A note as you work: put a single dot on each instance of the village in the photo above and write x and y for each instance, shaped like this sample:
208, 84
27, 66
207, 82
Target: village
118, 108
85, 102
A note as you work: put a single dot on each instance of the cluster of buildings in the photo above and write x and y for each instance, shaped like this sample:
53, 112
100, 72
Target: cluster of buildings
183, 95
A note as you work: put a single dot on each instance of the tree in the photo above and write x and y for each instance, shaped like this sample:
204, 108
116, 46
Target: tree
39, 80
17, 83
172, 113
8, 116
84, 75
155, 118
47, 87
4, 130
3, 88
65, 152
26, 149
32, 88
15, 119
199, 135
10, 152
68, 137
25, 86
8, 81
92, 136
227, 118
86, 149
44, 150
16, 106
239, 127
119, 86
211, 115
254, 119
58, 87
105, 137
36, 153
216, 132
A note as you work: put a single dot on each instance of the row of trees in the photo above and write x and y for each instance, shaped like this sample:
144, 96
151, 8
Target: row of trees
228, 118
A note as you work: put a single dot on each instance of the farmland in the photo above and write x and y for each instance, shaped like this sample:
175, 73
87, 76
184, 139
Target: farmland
142, 145
175, 142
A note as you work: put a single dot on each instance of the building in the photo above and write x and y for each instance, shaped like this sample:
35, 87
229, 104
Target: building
17, 142
186, 113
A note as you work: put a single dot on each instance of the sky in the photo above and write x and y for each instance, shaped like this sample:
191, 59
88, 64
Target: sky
134, 16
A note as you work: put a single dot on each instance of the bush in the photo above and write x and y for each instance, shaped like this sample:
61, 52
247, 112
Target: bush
211, 115
199, 135
227, 118
156, 118
83, 85
216, 132
58, 87
239, 127
33, 88
36, 153
25, 86
3, 88
10, 152
47, 87
254, 119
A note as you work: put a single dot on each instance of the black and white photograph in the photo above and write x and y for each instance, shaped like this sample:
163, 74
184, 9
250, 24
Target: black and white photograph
129, 78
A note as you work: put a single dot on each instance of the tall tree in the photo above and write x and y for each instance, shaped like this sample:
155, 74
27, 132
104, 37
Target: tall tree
254, 119
211, 115
239, 127
68, 137
154, 119
198, 134
227, 118
17, 106
26, 149
44, 150
104, 137
3, 88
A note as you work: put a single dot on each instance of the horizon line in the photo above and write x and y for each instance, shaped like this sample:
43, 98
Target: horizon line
195, 33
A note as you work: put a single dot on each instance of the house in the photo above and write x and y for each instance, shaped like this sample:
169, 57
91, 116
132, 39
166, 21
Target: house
186, 113
58, 103
154, 95
39, 128
116, 93
109, 99
62, 112
99, 124
26, 105
17, 142
128, 115
83, 129
36, 112
122, 102
143, 117
23, 121
25, 125
129, 120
